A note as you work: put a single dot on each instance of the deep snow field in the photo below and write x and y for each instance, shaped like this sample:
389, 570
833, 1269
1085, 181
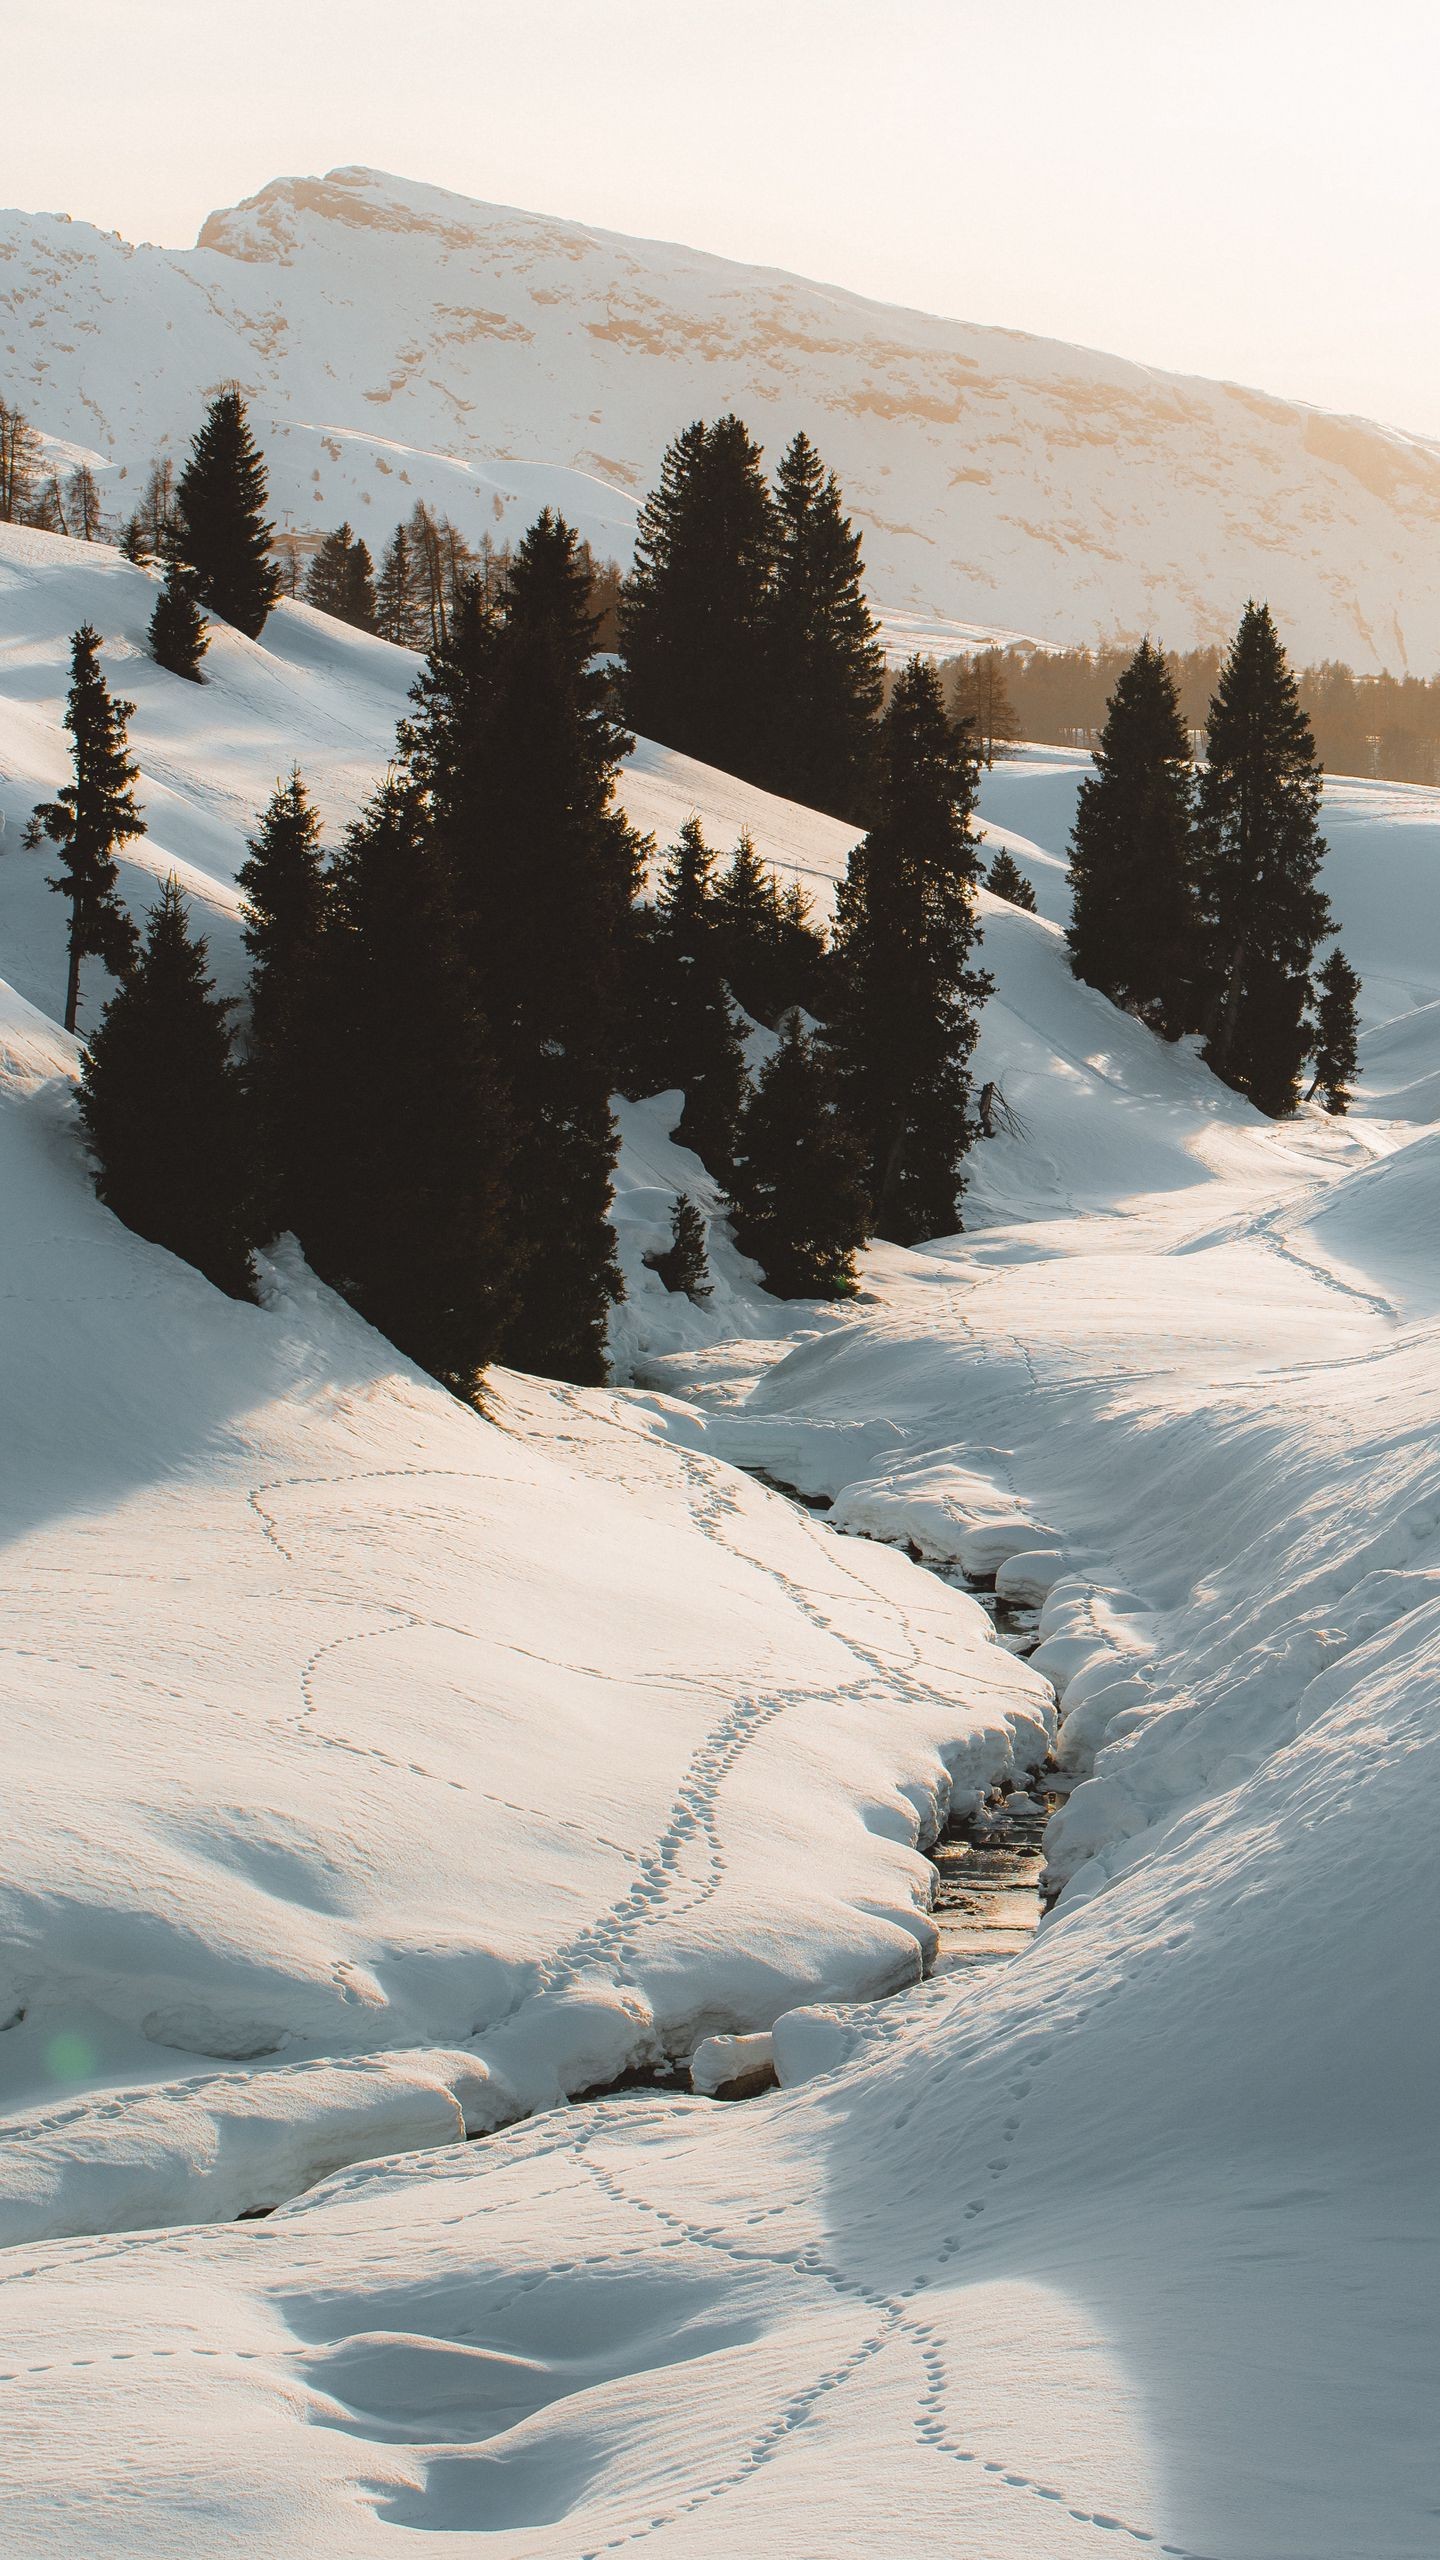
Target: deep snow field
378, 1772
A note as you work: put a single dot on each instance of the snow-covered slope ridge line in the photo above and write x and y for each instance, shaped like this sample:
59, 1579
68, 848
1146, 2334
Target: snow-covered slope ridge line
350, 1723
400, 342
341, 1722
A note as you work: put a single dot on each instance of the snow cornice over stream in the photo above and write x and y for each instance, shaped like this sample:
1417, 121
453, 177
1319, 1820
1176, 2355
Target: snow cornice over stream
381, 1772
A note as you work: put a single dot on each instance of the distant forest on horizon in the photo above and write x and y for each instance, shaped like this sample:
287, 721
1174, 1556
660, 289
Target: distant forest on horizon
1385, 727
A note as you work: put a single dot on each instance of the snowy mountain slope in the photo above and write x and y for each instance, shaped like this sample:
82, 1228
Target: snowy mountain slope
416, 1790
340, 1721
398, 341
1125, 2246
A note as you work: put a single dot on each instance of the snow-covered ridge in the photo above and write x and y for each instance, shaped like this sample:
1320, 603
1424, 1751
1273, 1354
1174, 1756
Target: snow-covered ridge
382, 1772
378, 1771
398, 341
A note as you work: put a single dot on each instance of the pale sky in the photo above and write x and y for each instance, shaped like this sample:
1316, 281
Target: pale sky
1246, 188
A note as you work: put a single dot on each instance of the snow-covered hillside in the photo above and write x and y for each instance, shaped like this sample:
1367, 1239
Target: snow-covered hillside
400, 342
379, 1771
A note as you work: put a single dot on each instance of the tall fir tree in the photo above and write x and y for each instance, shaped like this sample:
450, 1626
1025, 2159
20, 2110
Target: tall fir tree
404, 1206
1335, 1053
341, 579
178, 635
745, 913
683, 1264
771, 953
906, 995
1135, 924
397, 612
1259, 851
693, 609
94, 813
797, 1186
1006, 880
698, 1041
824, 673
284, 886
160, 1101
514, 747
220, 528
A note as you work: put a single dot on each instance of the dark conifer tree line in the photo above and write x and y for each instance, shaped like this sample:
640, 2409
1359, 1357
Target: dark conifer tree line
161, 1103
435, 1029
442, 1007
1385, 725
1197, 902
341, 579
798, 1190
744, 632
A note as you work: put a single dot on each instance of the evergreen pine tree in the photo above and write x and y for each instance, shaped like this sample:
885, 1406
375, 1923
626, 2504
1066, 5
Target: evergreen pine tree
797, 1187
800, 955
823, 666
1006, 880
178, 634
745, 910
1259, 853
220, 529
1336, 1051
341, 580
94, 813
404, 1210
683, 1266
769, 950
160, 1101
359, 597
692, 613
698, 1043
283, 883
515, 750
1134, 923
396, 614
906, 996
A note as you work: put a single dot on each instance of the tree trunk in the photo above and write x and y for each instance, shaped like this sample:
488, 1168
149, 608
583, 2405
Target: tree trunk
72, 982
1223, 1037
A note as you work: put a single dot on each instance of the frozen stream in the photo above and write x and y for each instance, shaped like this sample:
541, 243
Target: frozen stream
989, 1863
